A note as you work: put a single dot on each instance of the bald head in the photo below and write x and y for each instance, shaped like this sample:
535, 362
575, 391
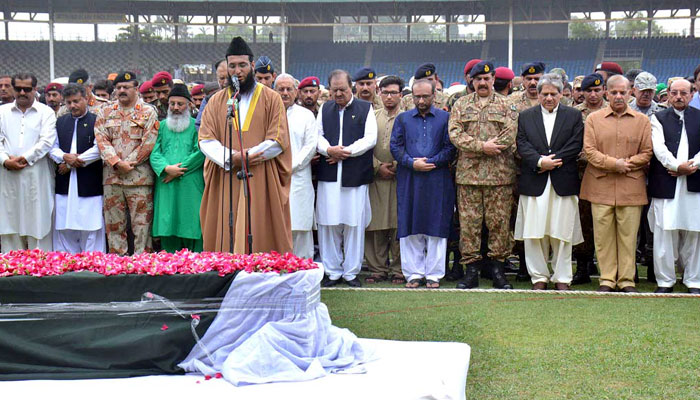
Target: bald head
679, 94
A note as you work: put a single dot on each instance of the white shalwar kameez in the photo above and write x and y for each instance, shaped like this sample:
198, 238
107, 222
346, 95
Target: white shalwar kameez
343, 213
303, 137
26, 196
548, 222
423, 256
675, 222
78, 225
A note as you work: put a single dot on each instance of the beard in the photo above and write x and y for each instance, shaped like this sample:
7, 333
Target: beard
178, 122
247, 84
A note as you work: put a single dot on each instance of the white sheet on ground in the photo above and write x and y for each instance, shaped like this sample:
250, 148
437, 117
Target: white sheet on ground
402, 371
274, 328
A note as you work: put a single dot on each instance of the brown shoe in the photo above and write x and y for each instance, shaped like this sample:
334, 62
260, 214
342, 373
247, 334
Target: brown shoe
603, 288
540, 286
630, 289
561, 286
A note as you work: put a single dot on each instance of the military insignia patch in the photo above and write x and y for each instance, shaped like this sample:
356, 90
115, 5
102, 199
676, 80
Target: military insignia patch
597, 82
486, 68
127, 76
80, 81
427, 73
268, 67
371, 74
161, 81
531, 70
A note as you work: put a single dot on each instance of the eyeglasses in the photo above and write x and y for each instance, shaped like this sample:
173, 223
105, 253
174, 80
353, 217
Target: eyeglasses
390, 93
20, 89
676, 93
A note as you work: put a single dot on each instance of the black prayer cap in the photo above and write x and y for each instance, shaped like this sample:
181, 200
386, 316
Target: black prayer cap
264, 65
78, 76
364, 73
180, 90
592, 80
533, 68
483, 67
424, 71
238, 47
125, 76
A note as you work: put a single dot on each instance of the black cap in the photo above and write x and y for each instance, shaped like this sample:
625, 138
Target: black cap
264, 65
180, 90
483, 67
364, 73
424, 71
592, 80
78, 76
238, 47
533, 68
125, 76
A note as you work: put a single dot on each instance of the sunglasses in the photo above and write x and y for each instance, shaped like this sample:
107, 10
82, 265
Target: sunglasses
20, 89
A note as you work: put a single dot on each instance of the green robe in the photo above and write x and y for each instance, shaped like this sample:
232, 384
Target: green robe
176, 204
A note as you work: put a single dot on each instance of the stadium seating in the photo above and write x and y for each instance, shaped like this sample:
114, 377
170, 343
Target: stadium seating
663, 56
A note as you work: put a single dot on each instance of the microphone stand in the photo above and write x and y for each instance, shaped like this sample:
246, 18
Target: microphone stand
244, 174
229, 121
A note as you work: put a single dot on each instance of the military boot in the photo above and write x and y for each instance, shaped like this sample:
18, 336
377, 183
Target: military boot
499, 276
471, 277
582, 274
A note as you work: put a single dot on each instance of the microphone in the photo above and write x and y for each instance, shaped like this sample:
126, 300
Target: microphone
235, 93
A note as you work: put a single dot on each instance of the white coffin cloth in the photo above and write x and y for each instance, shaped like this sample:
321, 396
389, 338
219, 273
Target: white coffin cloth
437, 371
274, 328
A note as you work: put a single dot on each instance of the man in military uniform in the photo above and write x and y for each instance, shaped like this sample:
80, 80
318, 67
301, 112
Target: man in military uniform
264, 71
504, 81
577, 93
53, 96
531, 74
366, 86
425, 71
380, 235
593, 88
81, 77
126, 132
606, 69
147, 93
309, 93
162, 83
468, 88
483, 127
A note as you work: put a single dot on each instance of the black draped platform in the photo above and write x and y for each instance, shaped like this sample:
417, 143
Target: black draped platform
86, 325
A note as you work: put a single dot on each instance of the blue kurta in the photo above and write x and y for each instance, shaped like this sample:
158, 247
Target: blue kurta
425, 199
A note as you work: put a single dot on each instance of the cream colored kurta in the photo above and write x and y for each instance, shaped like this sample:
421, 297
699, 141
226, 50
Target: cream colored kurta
549, 214
382, 192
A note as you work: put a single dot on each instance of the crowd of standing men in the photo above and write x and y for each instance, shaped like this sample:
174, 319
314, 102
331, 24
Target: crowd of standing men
392, 176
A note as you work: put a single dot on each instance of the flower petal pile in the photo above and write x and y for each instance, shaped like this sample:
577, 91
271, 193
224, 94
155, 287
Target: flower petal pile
42, 263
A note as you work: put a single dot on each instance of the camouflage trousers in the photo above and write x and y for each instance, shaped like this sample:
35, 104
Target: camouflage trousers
493, 205
139, 201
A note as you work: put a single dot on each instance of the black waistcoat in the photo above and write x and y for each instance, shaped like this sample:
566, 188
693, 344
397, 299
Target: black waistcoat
358, 170
661, 184
89, 177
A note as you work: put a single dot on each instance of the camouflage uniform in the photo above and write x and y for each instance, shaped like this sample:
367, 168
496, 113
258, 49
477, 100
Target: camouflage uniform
440, 101
127, 135
454, 97
484, 183
585, 250
94, 105
521, 101
162, 110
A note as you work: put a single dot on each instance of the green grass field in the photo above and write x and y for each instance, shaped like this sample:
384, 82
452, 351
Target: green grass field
544, 346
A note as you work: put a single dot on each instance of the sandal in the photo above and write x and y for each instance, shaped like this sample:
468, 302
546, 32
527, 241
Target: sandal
374, 279
414, 283
431, 284
398, 280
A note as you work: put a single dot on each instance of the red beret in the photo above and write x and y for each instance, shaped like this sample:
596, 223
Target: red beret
468, 66
197, 89
504, 73
309, 81
146, 87
609, 66
54, 86
162, 78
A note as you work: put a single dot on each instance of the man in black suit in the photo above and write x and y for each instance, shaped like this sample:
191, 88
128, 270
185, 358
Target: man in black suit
550, 137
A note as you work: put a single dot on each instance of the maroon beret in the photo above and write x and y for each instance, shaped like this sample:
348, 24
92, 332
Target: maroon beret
54, 86
469, 65
505, 73
309, 81
609, 66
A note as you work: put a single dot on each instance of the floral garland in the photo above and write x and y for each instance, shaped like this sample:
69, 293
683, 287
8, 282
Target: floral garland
42, 263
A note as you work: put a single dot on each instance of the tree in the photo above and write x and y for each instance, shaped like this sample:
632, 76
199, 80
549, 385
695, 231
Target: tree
635, 28
146, 33
585, 30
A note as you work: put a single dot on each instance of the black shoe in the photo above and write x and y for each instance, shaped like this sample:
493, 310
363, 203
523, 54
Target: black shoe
664, 289
471, 277
694, 290
523, 275
592, 269
353, 282
636, 274
510, 267
330, 282
499, 278
582, 275
485, 268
